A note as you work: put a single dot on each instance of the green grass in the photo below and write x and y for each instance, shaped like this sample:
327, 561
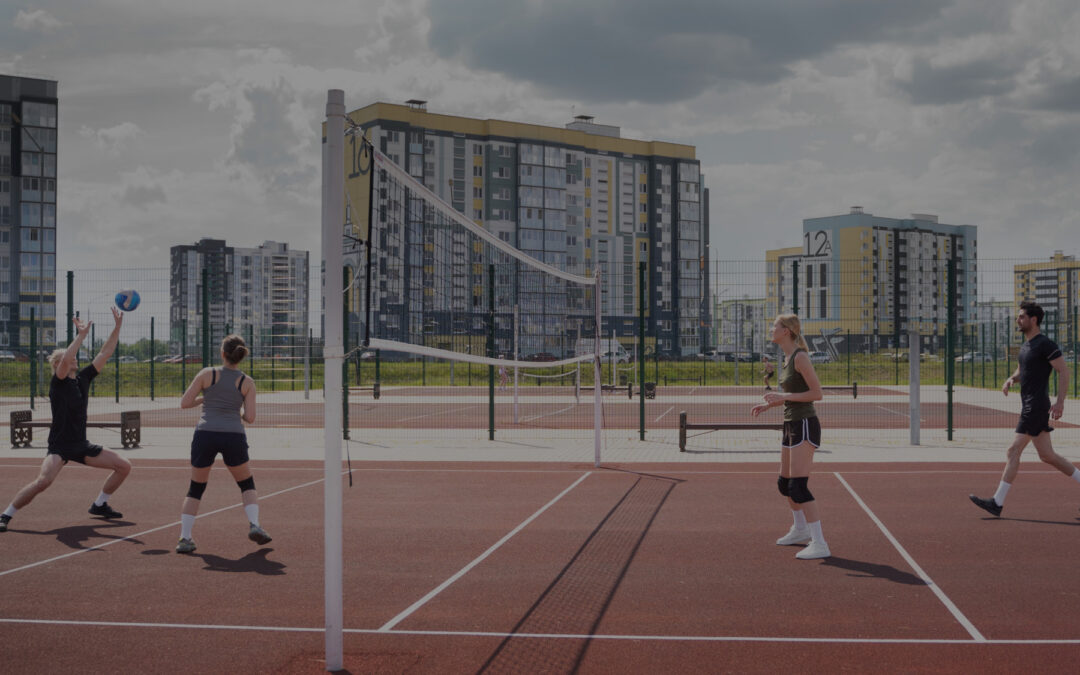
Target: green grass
279, 375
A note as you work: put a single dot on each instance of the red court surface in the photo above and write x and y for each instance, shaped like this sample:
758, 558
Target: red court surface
470, 567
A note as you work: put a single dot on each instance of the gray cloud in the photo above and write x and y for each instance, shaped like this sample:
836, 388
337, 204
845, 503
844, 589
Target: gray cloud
938, 85
141, 196
647, 51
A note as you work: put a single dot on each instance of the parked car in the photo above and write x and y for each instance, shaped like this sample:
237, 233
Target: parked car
711, 354
974, 357
819, 357
127, 359
7, 356
540, 356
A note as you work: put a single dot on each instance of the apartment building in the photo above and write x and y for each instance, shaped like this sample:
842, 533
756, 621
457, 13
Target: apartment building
261, 293
28, 151
870, 279
578, 198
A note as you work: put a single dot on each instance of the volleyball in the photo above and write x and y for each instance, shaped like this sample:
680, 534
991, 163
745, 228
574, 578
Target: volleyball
127, 300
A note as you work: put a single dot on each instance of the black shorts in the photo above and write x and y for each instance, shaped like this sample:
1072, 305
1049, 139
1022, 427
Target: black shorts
808, 429
77, 453
1034, 422
205, 446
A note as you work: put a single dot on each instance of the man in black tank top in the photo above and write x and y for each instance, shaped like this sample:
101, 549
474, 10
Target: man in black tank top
1038, 358
69, 392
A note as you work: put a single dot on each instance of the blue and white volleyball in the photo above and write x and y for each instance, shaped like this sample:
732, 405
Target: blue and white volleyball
127, 300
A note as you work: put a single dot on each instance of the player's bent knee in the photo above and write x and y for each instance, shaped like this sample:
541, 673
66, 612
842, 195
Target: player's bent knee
798, 491
196, 490
782, 485
246, 484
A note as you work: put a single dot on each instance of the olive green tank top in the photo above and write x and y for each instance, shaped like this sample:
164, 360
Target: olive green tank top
792, 382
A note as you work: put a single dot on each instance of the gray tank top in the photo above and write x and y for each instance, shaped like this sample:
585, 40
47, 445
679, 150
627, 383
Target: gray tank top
222, 402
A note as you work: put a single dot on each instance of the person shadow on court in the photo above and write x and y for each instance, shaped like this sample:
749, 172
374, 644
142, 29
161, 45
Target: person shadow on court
860, 568
79, 536
255, 562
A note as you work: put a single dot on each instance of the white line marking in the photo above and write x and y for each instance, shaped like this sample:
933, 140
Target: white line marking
464, 570
547, 636
665, 413
953, 609
151, 530
556, 412
434, 414
880, 407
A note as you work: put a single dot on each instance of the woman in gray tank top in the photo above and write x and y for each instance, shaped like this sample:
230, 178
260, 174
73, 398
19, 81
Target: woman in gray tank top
802, 435
227, 397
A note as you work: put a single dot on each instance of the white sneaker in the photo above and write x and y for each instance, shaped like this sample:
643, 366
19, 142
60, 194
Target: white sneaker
816, 549
794, 536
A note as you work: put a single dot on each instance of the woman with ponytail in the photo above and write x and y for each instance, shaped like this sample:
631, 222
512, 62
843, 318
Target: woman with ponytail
800, 387
227, 400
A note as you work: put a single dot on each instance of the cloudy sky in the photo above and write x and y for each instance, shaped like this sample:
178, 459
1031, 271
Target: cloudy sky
180, 120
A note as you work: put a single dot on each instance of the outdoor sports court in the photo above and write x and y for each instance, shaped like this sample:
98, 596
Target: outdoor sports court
654, 561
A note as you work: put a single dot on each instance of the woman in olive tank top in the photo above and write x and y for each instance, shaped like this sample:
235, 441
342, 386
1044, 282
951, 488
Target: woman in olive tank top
802, 435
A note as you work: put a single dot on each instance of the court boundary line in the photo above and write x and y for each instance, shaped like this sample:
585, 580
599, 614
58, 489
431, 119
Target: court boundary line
949, 605
151, 530
556, 636
479, 559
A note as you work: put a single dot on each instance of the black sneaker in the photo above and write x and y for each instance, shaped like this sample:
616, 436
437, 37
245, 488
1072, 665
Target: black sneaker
105, 511
4, 520
988, 505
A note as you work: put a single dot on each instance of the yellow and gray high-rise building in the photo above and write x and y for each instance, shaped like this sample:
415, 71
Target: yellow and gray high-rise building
578, 198
1054, 285
872, 279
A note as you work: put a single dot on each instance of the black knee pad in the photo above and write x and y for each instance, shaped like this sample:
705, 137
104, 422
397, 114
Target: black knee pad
782, 485
195, 490
798, 491
246, 484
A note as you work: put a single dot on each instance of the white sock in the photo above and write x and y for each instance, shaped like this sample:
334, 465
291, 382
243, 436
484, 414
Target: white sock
1003, 489
101, 499
10, 510
252, 511
815, 531
186, 524
1075, 475
800, 519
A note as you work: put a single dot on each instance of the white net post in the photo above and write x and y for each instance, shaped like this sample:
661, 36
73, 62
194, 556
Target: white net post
598, 394
333, 218
914, 359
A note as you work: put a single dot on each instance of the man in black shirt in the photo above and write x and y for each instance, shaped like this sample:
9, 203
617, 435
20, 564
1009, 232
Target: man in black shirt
69, 390
1038, 358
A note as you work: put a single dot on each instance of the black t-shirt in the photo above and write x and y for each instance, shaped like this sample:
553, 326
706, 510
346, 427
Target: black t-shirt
69, 398
1035, 357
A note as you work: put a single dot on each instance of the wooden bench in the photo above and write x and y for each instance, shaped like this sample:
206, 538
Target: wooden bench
23, 423
685, 426
612, 387
375, 390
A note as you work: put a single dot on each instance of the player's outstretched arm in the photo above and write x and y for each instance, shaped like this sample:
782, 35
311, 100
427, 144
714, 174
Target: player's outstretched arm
109, 347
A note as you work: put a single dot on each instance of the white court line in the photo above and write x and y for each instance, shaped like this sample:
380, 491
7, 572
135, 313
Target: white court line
953, 609
557, 412
154, 529
464, 570
665, 413
547, 636
894, 412
435, 414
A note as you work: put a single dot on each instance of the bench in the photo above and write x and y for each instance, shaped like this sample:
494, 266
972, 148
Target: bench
375, 390
23, 423
699, 381
612, 387
685, 426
